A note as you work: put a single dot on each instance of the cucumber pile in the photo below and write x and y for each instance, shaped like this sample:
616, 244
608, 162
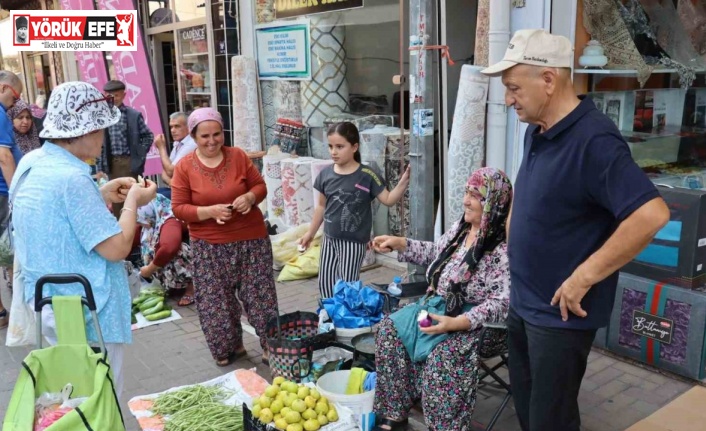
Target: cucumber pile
151, 304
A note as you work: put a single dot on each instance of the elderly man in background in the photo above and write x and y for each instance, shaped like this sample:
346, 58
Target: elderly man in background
10, 155
126, 143
582, 209
183, 145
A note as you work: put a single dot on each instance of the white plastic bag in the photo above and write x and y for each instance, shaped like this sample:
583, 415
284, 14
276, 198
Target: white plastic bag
21, 330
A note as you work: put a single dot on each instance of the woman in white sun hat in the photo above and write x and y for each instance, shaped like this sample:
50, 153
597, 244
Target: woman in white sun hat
61, 219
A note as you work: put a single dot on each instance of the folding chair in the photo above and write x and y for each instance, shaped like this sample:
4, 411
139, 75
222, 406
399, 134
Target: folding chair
493, 344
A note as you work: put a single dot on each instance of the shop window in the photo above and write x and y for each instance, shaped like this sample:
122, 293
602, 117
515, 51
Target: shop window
39, 75
194, 69
365, 43
186, 10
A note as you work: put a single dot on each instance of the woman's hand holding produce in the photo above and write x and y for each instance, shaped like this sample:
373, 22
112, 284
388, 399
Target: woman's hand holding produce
446, 324
115, 191
244, 203
144, 193
221, 212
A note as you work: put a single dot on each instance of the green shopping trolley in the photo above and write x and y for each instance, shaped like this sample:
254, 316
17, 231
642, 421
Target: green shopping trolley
72, 361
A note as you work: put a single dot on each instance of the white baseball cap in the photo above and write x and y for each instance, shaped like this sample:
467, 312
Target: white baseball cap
535, 47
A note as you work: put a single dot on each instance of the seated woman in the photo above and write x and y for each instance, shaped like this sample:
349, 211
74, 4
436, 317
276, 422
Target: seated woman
469, 285
164, 253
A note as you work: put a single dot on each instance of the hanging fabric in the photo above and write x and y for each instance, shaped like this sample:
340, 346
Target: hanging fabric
480, 55
692, 14
326, 94
246, 105
269, 116
602, 20
467, 142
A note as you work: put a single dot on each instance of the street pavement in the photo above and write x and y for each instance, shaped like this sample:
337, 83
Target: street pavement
614, 395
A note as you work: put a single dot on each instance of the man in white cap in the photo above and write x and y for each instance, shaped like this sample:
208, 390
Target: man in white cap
581, 210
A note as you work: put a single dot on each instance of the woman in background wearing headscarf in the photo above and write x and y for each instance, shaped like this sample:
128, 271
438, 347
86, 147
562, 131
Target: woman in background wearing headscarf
216, 189
469, 285
26, 134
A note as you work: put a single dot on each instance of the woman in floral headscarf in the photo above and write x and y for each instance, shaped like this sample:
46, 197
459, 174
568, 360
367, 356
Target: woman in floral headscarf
26, 134
469, 285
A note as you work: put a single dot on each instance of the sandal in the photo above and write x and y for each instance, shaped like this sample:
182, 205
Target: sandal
232, 358
392, 424
185, 300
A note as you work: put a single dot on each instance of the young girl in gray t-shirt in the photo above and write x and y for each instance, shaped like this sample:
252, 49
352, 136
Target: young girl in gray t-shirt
347, 189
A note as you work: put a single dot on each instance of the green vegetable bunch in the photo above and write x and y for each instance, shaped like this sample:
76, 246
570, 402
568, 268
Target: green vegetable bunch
211, 417
175, 401
151, 304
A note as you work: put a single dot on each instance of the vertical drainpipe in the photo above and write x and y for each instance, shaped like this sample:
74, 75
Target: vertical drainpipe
496, 129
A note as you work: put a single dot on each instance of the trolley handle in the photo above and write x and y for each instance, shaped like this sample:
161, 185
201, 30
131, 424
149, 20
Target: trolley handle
40, 301
89, 301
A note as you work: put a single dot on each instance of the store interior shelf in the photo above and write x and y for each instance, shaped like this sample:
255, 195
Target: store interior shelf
199, 93
623, 71
195, 54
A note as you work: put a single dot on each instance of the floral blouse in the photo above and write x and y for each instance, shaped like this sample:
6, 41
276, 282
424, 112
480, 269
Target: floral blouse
489, 286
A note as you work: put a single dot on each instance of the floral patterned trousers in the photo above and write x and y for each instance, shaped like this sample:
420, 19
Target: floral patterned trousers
446, 382
220, 272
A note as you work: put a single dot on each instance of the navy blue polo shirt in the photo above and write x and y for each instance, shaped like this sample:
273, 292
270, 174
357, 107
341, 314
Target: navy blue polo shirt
577, 182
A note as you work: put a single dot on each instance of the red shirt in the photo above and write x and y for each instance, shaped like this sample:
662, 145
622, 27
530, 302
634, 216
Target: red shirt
195, 184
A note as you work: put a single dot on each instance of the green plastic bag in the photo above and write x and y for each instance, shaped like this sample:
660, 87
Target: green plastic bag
71, 361
417, 343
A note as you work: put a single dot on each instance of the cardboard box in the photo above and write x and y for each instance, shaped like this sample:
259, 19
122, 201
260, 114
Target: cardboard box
660, 325
677, 254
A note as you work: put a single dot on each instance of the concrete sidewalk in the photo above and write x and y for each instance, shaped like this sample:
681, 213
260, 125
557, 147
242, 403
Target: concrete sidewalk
614, 394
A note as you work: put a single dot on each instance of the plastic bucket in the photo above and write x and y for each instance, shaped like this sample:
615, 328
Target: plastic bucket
333, 386
345, 336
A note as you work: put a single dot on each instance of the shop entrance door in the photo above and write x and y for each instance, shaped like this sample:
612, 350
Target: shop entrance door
164, 55
40, 76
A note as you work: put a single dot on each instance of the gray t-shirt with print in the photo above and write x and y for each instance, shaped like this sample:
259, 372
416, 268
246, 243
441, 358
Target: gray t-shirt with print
348, 214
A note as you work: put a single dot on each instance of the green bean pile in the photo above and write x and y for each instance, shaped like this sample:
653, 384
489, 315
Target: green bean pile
174, 402
206, 417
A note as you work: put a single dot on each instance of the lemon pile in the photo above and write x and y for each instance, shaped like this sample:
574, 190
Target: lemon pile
293, 407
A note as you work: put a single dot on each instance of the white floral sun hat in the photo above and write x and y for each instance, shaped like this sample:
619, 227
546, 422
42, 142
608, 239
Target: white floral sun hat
76, 109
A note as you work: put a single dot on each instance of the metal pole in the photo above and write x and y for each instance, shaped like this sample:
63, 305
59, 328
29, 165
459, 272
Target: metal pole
421, 151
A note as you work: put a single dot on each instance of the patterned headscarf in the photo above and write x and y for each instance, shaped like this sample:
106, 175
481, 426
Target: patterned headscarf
26, 141
496, 194
203, 114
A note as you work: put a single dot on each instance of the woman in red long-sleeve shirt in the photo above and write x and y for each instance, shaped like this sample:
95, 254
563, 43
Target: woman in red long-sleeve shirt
216, 190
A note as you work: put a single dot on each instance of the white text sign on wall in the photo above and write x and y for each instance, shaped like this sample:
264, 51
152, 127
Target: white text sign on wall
283, 50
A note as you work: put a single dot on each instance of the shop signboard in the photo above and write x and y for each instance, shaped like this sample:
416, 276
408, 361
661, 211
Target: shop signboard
141, 93
295, 8
91, 64
283, 51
